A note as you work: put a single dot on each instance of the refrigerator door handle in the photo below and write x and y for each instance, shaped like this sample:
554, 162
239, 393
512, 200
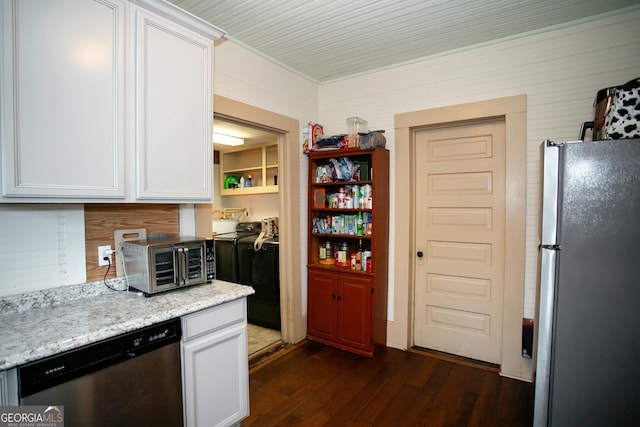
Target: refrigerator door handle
549, 251
548, 262
550, 193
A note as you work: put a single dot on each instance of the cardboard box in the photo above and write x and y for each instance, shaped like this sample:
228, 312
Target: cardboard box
310, 135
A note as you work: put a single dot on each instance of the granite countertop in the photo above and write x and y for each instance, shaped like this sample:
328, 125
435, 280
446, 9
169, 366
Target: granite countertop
43, 323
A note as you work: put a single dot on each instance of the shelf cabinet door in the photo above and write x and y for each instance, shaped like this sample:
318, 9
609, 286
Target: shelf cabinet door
174, 119
354, 311
340, 309
63, 97
322, 311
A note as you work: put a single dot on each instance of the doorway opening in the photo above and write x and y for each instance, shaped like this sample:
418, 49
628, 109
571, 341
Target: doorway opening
287, 130
246, 172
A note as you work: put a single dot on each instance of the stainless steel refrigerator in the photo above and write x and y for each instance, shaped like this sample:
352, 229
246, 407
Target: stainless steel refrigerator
588, 352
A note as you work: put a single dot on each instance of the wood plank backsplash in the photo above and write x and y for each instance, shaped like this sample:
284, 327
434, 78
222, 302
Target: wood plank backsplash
101, 220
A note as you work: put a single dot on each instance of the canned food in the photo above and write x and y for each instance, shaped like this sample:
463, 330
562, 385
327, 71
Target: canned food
341, 255
325, 253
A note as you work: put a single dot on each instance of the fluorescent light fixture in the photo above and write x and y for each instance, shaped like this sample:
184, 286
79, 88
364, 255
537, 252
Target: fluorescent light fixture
219, 138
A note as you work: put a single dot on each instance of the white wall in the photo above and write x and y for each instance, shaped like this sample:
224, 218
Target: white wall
560, 71
41, 247
246, 77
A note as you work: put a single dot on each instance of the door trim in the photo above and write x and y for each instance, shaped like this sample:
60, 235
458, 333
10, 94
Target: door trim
293, 323
513, 111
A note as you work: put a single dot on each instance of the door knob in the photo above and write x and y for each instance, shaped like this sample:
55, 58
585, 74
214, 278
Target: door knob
420, 254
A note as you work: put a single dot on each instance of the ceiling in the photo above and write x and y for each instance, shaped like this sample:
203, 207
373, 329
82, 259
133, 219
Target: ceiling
326, 40
250, 134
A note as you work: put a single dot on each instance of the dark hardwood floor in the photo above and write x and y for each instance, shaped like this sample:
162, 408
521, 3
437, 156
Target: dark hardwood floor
316, 385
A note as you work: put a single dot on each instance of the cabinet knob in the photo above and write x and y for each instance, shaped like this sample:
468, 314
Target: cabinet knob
339, 298
333, 296
420, 254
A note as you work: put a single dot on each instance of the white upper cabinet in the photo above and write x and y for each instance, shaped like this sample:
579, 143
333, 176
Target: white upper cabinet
105, 100
63, 98
174, 117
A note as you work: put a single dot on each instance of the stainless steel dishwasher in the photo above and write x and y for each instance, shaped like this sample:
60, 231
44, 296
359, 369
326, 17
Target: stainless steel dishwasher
130, 380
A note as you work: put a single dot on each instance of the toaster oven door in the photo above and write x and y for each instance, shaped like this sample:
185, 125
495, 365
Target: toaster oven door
183, 264
193, 265
164, 268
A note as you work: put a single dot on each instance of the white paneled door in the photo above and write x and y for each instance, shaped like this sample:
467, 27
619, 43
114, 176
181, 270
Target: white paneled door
460, 217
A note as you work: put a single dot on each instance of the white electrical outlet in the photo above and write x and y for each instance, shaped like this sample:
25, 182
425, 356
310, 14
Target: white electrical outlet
104, 251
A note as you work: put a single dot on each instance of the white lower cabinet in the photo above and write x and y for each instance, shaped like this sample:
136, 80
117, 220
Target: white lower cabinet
215, 365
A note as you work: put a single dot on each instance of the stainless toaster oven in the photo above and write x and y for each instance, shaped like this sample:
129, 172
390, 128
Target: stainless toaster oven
159, 265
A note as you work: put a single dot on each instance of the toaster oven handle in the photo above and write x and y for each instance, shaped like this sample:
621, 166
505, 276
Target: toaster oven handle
176, 266
184, 269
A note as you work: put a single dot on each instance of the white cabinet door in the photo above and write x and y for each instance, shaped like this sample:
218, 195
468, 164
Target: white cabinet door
63, 98
173, 110
215, 366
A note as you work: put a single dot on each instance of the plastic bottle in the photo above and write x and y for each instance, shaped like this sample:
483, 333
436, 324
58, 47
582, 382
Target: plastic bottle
366, 261
367, 196
359, 222
355, 196
341, 198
